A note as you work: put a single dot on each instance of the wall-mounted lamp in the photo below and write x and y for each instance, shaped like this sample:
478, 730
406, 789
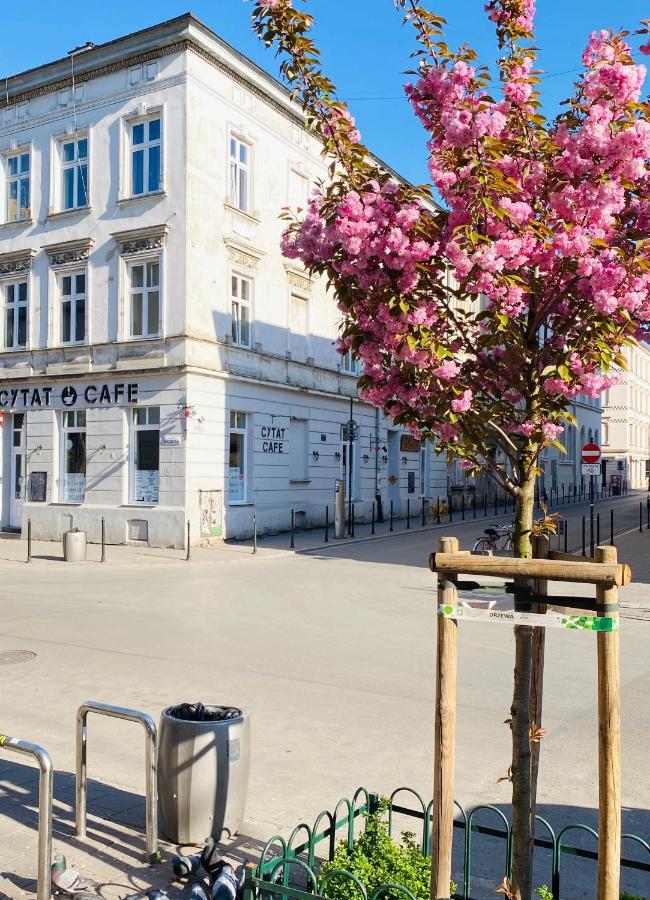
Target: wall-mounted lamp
102, 447
404, 460
315, 454
384, 458
337, 456
366, 457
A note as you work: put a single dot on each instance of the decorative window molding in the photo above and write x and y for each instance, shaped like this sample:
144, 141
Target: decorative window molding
17, 262
297, 278
243, 254
69, 253
141, 240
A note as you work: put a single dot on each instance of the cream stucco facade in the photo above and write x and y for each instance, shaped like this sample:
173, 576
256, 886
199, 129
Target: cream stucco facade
626, 421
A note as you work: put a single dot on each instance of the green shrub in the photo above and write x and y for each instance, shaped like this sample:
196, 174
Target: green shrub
544, 892
375, 859
626, 896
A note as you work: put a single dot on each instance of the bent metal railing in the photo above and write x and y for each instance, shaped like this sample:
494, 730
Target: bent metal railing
280, 865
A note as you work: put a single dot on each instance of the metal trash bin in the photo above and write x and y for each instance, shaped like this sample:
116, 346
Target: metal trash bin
203, 768
74, 545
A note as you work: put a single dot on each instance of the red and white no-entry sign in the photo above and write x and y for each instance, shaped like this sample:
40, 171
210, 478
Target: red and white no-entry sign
591, 453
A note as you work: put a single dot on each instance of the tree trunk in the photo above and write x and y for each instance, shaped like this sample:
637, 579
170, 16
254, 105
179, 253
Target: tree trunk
522, 833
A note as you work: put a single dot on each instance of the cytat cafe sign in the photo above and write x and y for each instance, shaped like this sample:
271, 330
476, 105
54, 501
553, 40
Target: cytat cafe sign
68, 396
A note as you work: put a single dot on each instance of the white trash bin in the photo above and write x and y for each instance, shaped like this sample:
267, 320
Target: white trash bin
74, 545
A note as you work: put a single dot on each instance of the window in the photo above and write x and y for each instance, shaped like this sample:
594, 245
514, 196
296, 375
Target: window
145, 459
144, 281
299, 327
238, 459
241, 290
298, 190
240, 174
424, 470
146, 147
73, 456
74, 173
17, 187
298, 449
73, 308
16, 316
349, 365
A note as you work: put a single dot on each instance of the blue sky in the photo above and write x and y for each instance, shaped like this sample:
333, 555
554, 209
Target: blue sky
365, 48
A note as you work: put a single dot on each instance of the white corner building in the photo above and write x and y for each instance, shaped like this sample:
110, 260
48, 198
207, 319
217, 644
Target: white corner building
626, 422
160, 361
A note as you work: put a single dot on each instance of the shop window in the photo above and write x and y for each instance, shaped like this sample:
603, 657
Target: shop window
74, 173
16, 299
241, 290
144, 304
17, 182
145, 458
146, 150
239, 170
238, 459
298, 450
73, 456
73, 307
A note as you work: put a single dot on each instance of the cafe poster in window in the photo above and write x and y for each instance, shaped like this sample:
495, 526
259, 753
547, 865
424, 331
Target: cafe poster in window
37, 487
236, 485
147, 485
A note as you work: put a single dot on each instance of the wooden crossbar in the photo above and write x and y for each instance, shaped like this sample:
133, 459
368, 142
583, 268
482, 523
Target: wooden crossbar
580, 571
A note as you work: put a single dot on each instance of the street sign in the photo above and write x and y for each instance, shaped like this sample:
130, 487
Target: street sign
548, 620
591, 468
590, 453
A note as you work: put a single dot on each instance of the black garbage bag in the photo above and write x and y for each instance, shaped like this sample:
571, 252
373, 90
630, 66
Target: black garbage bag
197, 712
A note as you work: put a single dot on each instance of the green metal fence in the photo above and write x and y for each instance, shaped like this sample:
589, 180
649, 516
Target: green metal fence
282, 862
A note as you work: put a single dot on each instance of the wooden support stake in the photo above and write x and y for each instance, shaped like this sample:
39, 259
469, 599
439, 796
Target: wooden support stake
445, 735
609, 742
541, 547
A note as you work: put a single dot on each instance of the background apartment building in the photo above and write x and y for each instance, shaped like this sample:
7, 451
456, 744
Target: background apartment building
160, 361
626, 422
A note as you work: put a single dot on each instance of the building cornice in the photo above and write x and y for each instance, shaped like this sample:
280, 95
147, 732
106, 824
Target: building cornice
141, 240
16, 262
69, 252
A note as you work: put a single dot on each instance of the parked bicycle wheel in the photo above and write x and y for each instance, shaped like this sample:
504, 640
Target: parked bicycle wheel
484, 546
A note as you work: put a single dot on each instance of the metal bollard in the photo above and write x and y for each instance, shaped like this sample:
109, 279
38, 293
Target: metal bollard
408, 512
598, 530
103, 556
592, 546
352, 522
327, 524
45, 781
438, 511
496, 511
151, 762
372, 522
566, 537
391, 515
584, 524
189, 553
292, 543
424, 512
485, 505
29, 540
254, 532
611, 527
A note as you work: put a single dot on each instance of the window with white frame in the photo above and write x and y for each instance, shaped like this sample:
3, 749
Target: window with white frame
72, 290
144, 298
16, 302
240, 171
349, 365
73, 456
238, 459
241, 291
145, 455
146, 156
17, 182
299, 327
74, 173
298, 190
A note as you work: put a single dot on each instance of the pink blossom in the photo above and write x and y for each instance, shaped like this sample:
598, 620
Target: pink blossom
462, 404
448, 370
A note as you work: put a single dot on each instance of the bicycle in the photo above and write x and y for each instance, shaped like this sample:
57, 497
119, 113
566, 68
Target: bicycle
496, 539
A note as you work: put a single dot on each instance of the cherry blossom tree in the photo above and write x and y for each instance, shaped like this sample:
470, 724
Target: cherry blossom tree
479, 319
